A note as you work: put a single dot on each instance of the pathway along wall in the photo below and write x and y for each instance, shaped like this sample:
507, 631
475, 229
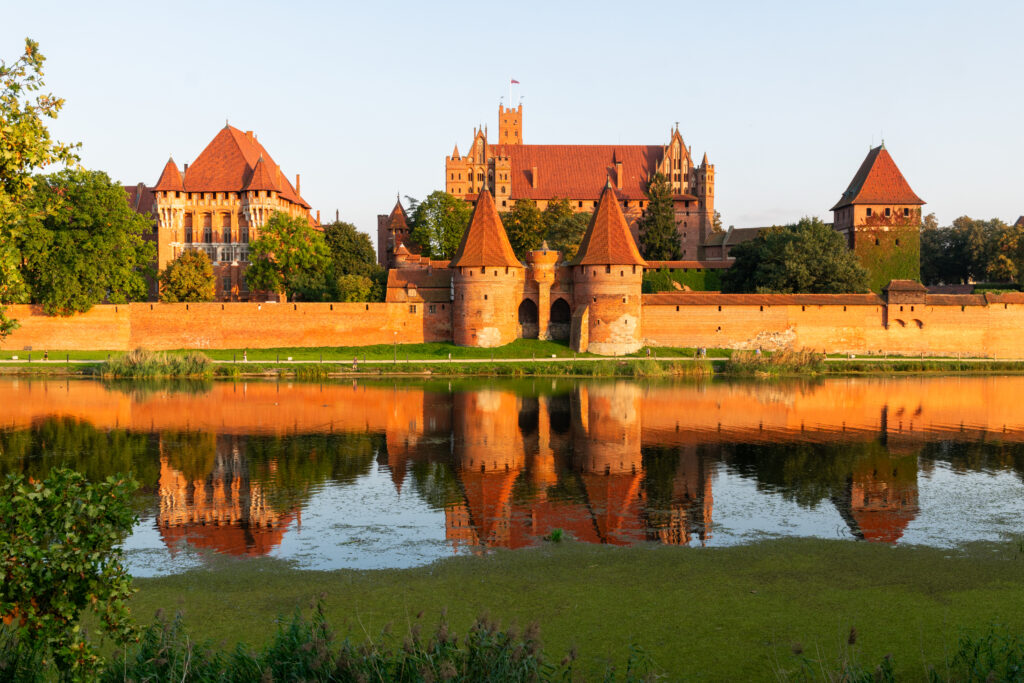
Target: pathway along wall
229, 326
972, 325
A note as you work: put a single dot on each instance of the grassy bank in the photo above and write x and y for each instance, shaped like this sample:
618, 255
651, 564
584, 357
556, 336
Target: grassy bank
759, 612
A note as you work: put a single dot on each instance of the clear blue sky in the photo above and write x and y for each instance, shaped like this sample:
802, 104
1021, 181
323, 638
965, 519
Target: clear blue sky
365, 99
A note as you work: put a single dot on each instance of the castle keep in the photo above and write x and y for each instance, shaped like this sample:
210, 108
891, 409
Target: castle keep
218, 206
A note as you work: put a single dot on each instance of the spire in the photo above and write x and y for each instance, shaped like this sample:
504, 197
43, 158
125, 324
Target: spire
170, 179
485, 243
455, 152
705, 162
608, 240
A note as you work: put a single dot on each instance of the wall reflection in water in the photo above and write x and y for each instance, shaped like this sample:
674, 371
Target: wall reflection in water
233, 467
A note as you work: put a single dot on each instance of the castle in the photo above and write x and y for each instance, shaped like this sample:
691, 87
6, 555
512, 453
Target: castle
512, 170
218, 205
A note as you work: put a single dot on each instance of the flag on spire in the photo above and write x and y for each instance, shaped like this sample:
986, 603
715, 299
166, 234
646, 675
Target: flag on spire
515, 81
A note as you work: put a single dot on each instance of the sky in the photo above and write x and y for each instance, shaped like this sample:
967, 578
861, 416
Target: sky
365, 99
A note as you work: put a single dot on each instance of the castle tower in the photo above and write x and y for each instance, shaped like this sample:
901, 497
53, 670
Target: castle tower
392, 232
607, 275
704, 188
541, 273
880, 217
487, 280
510, 125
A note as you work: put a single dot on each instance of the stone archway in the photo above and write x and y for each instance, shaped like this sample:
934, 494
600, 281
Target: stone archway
560, 321
528, 325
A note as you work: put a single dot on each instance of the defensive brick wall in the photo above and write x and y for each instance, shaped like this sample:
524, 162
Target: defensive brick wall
972, 326
229, 326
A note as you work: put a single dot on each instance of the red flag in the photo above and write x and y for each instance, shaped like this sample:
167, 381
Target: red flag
515, 81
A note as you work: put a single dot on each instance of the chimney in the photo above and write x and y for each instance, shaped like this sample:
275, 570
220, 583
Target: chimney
248, 134
618, 174
297, 184
533, 177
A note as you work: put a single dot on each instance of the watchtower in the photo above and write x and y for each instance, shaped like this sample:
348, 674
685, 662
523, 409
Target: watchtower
487, 279
607, 278
510, 125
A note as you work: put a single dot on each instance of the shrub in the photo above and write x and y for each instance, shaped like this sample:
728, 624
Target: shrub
59, 557
780, 362
141, 364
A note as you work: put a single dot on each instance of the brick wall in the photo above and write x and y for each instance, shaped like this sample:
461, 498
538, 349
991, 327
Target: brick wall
229, 326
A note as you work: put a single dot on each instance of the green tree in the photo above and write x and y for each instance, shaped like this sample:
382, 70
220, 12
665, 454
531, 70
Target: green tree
289, 257
808, 257
659, 239
716, 223
188, 278
524, 225
25, 147
354, 269
59, 558
81, 243
437, 224
563, 227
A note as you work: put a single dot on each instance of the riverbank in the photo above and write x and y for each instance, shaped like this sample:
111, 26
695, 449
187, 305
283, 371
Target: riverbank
755, 612
522, 358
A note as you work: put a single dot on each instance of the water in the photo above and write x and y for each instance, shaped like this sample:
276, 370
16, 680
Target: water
372, 475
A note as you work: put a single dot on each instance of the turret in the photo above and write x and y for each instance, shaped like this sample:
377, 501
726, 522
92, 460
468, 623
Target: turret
607, 276
487, 279
540, 276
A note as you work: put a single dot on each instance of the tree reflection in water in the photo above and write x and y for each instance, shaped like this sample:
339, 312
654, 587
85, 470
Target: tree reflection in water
231, 467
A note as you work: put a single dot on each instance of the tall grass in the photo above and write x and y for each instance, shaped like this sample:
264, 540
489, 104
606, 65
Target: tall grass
143, 364
785, 362
306, 649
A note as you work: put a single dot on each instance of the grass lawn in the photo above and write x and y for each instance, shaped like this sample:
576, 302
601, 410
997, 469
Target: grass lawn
721, 614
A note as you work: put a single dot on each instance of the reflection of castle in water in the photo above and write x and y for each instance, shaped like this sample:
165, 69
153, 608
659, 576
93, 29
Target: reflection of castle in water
215, 505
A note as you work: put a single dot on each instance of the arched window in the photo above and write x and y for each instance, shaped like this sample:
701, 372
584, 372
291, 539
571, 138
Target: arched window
226, 235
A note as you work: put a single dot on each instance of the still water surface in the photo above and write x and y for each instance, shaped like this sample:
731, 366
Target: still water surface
376, 475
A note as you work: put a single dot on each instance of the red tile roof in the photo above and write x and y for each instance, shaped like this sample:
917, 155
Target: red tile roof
707, 265
878, 181
955, 300
607, 240
170, 179
719, 299
579, 171
1020, 222
140, 198
397, 217
485, 243
228, 164
262, 177
904, 286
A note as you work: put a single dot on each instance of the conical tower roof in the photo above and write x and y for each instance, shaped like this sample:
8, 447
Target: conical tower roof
263, 177
398, 218
485, 243
878, 181
608, 240
170, 179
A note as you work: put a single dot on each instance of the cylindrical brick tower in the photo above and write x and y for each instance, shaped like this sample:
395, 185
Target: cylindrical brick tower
487, 281
541, 275
607, 278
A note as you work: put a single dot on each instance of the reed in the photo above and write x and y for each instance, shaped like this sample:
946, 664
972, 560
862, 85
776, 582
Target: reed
785, 362
143, 364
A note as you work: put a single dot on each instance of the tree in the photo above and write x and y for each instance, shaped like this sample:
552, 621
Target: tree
524, 226
438, 223
81, 243
351, 250
25, 147
60, 556
808, 257
289, 257
659, 239
188, 278
354, 270
563, 227
716, 223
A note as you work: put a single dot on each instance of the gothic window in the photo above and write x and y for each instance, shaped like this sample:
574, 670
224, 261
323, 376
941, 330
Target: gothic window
226, 285
187, 218
207, 220
226, 237
188, 235
207, 235
243, 235
225, 220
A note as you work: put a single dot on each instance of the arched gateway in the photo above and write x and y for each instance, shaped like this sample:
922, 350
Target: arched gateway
528, 325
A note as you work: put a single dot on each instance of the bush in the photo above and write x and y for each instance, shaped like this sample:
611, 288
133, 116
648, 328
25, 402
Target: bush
59, 557
779, 362
142, 364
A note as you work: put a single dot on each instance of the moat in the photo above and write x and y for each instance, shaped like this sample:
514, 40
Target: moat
399, 474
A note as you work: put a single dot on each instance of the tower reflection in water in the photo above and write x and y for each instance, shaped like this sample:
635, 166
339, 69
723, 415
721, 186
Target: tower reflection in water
235, 466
